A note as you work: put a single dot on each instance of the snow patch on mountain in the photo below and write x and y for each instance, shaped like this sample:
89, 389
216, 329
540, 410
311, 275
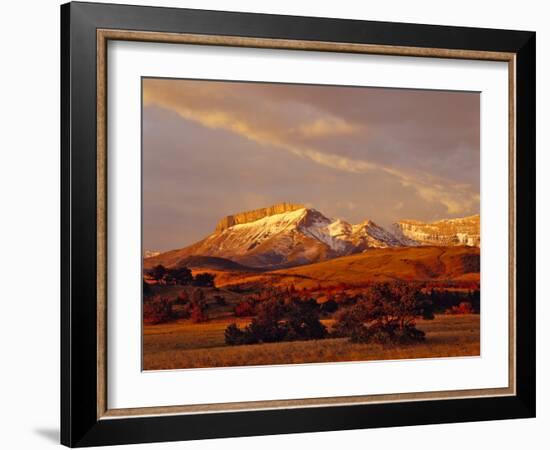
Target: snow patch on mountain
338, 235
461, 231
328, 232
286, 235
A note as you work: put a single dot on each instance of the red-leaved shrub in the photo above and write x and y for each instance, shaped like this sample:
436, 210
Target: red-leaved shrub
245, 309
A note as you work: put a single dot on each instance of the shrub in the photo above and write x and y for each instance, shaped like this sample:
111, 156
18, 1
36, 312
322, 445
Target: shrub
204, 279
349, 319
265, 326
158, 310
182, 298
158, 272
474, 299
197, 296
234, 335
198, 313
444, 300
329, 307
245, 309
146, 288
182, 275
303, 321
387, 314
220, 300
184, 312
277, 322
462, 308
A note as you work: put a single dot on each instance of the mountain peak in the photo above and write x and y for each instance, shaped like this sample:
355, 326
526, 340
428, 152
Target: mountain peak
256, 214
289, 234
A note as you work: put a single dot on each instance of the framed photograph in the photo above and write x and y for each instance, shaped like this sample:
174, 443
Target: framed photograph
277, 224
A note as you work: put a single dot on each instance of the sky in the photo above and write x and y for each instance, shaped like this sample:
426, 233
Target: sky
214, 148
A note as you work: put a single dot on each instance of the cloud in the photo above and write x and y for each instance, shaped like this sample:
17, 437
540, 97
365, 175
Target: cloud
331, 126
301, 128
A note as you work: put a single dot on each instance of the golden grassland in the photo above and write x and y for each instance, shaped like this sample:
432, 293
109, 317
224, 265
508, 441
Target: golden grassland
458, 263
424, 263
182, 344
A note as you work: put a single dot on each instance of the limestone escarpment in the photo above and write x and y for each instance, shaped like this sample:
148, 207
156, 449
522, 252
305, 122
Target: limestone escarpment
462, 231
288, 234
251, 216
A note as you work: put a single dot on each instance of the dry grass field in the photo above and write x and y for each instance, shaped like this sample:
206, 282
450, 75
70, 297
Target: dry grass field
182, 344
377, 265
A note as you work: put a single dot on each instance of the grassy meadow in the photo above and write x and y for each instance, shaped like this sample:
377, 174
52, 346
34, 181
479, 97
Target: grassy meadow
183, 344
313, 313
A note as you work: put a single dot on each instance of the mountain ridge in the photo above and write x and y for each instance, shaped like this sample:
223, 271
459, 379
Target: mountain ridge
458, 231
256, 214
422, 263
289, 234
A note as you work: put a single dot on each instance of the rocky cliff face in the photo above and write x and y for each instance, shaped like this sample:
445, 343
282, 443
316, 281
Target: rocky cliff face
463, 231
150, 253
282, 235
251, 216
286, 235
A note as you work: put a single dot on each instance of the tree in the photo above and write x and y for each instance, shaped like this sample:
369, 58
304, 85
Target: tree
182, 275
329, 307
462, 308
197, 296
158, 310
220, 300
234, 335
158, 272
265, 326
198, 313
277, 321
244, 309
146, 288
303, 321
182, 298
204, 279
387, 314
475, 300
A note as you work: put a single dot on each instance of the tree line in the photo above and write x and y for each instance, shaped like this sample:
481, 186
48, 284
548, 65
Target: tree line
158, 309
386, 313
180, 276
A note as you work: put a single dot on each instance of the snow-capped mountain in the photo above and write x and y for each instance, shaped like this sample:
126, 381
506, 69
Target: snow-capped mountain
150, 253
463, 231
286, 235
282, 235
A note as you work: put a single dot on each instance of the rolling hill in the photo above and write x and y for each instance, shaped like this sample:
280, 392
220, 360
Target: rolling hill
457, 263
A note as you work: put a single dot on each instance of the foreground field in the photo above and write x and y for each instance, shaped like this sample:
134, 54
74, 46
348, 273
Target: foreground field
182, 344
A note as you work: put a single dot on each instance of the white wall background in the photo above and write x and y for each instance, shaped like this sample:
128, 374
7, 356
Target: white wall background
29, 229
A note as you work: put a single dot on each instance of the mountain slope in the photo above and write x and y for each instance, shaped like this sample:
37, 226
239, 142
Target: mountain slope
288, 235
455, 263
463, 231
213, 262
150, 253
282, 235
